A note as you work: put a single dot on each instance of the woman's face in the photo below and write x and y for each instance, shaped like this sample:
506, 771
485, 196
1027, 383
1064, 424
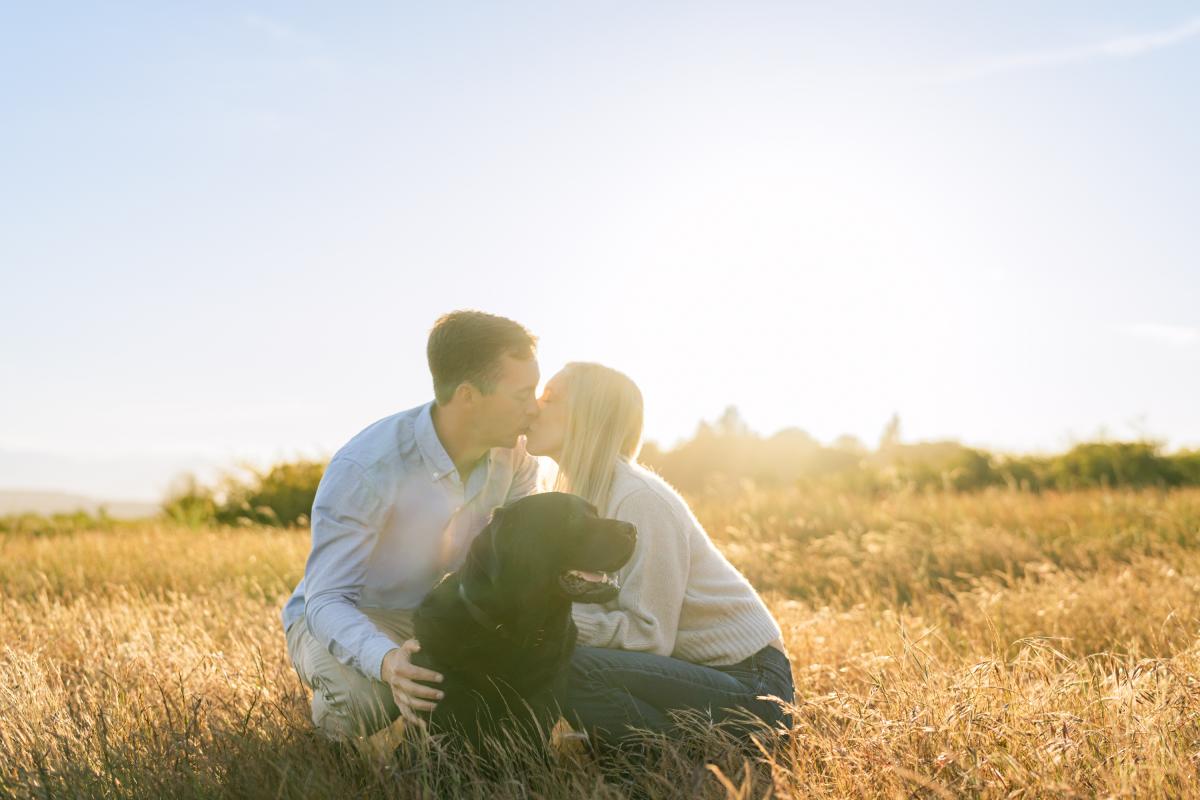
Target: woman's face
545, 437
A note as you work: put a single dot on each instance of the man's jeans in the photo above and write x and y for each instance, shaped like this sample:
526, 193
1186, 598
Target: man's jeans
610, 690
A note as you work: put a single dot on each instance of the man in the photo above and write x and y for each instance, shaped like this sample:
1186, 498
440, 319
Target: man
396, 509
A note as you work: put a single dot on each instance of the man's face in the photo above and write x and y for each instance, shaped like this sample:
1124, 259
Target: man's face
512, 406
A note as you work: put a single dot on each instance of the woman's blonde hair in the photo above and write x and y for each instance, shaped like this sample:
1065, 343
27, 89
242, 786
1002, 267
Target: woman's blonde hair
604, 423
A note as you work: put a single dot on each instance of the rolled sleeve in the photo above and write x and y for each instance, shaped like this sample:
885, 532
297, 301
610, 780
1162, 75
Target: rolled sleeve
524, 475
346, 519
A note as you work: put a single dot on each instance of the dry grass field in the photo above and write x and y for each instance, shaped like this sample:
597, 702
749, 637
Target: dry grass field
990, 645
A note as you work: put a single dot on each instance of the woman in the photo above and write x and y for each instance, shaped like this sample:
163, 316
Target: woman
687, 630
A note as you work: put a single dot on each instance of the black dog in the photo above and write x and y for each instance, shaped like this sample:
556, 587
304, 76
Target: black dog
499, 629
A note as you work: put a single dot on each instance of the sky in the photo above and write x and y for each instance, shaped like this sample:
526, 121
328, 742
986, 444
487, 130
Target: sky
226, 228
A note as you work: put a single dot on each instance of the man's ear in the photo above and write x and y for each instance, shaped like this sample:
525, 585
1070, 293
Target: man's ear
466, 393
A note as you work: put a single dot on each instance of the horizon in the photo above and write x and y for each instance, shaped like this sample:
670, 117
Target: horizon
228, 229
207, 470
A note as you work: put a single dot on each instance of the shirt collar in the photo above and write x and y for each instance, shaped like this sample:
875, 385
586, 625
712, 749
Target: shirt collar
432, 450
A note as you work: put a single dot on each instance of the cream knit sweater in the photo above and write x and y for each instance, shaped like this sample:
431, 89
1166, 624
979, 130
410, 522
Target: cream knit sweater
679, 596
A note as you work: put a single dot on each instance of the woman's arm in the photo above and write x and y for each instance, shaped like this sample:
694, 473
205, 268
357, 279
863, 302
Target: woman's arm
645, 615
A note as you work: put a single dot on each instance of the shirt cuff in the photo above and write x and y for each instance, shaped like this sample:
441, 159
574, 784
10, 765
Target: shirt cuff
372, 653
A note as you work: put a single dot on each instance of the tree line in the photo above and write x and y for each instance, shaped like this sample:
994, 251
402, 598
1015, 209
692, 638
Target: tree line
726, 453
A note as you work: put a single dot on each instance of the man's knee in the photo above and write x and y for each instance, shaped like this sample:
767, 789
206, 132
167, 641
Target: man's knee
345, 702
351, 705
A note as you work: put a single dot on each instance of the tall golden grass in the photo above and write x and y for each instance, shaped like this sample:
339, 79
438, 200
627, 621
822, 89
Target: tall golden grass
994, 645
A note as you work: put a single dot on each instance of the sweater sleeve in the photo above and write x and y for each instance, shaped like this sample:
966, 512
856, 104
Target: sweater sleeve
645, 614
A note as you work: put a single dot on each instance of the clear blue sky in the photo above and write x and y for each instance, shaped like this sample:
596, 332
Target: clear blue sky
225, 229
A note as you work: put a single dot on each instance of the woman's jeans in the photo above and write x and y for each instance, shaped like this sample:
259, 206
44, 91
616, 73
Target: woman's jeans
610, 691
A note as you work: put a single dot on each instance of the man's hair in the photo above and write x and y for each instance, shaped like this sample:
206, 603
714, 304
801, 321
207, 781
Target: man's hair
467, 347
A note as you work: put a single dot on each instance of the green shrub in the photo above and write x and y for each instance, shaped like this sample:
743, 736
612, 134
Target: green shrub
281, 496
1133, 464
191, 504
46, 525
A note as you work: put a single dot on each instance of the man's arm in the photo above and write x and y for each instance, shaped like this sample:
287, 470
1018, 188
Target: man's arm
346, 518
525, 475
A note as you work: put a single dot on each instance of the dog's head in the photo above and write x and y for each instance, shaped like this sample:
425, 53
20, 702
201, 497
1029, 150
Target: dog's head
554, 542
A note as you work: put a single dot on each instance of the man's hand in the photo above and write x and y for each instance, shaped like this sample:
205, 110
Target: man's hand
402, 675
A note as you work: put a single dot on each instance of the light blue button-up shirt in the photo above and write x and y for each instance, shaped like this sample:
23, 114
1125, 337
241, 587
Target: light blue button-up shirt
390, 518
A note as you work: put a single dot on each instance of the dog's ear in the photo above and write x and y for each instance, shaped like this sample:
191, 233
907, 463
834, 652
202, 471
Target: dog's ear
492, 562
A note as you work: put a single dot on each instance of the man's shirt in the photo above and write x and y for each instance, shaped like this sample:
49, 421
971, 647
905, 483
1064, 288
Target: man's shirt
391, 517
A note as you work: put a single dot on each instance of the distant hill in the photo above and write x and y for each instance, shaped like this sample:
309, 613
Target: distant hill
35, 502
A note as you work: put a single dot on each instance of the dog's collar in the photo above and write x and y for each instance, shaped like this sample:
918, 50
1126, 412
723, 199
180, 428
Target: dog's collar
478, 614
488, 621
